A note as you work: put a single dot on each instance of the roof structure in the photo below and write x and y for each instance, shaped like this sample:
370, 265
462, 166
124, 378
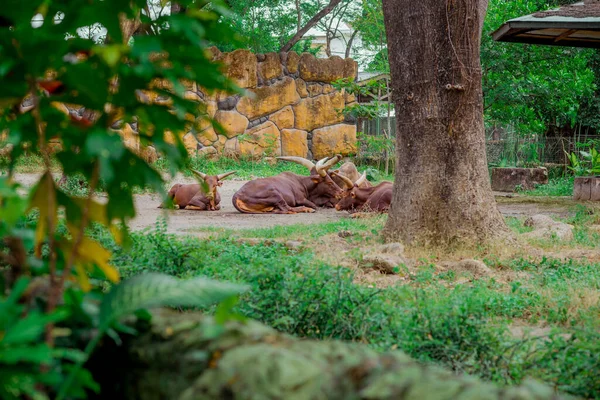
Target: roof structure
574, 25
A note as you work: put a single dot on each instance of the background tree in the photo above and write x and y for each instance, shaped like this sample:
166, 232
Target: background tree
442, 192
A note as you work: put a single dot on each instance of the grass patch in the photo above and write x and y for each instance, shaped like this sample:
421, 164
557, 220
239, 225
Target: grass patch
465, 327
562, 186
303, 231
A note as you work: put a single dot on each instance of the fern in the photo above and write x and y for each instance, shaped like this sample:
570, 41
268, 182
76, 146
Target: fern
148, 291
157, 290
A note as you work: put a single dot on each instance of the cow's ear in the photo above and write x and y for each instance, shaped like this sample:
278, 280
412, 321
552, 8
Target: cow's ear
315, 179
352, 194
220, 183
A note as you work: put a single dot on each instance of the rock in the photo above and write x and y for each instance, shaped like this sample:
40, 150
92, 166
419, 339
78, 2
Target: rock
284, 119
475, 267
327, 88
189, 85
326, 69
314, 89
232, 122
293, 244
336, 139
213, 53
292, 61
294, 143
547, 228
539, 221
130, 139
268, 99
241, 67
349, 98
320, 111
161, 83
301, 87
193, 96
270, 160
220, 143
345, 234
385, 264
149, 154
207, 152
391, 248
190, 143
264, 139
507, 179
227, 103
207, 137
271, 67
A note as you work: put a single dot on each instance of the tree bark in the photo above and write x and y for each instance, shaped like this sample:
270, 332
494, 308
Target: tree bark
187, 357
312, 22
442, 193
349, 45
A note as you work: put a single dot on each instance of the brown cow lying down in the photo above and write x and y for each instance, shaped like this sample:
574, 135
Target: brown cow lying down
320, 197
288, 193
196, 196
365, 199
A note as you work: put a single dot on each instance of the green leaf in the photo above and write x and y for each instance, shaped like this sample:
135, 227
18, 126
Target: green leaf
111, 53
158, 290
38, 354
30, 328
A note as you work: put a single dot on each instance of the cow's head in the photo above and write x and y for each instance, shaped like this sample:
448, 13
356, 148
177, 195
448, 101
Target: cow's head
211, 183
352, 197
324, 186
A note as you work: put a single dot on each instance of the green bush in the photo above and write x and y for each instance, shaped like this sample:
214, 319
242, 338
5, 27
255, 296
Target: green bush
462, 327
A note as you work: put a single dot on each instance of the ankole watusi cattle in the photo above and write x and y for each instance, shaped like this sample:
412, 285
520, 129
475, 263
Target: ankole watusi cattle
349, 170
364, 199
288, 193
198, 196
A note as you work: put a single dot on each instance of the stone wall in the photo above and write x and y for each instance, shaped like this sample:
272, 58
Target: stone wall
293, 109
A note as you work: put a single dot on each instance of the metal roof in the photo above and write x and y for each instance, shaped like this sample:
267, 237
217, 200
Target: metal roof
575, 25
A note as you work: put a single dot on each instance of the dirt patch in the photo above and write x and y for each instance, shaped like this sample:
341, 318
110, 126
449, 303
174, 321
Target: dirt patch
190, 222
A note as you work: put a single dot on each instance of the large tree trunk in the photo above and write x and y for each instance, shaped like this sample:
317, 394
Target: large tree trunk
312, 22
442, 193
187, 357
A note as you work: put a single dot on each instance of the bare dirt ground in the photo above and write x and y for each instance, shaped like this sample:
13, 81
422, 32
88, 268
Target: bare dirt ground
187, 221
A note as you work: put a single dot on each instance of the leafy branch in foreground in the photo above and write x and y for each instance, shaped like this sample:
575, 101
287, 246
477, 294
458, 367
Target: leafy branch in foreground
52, 272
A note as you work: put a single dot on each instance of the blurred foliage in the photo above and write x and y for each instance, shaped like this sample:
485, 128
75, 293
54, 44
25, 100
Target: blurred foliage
53, 310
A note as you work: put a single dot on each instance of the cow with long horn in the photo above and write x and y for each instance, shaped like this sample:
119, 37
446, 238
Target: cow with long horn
198, 196
349, 170
288, 193
364, 199
320, 196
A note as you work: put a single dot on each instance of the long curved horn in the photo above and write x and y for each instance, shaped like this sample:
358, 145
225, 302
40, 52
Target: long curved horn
298, 160
330, 163
225, 175
320, 166
347, 181
198, 173
362, 179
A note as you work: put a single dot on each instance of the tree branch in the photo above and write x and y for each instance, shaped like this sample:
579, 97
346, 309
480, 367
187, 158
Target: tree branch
312, 22
349, 45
